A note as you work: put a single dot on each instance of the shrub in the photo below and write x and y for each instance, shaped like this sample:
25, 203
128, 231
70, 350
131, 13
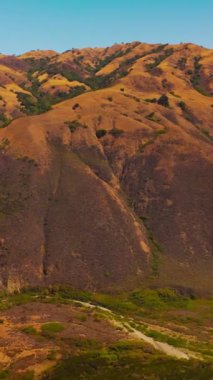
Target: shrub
73, 125
189, 72
182, 105
164, 100
100, 133
150, 116
115, 132
76, 105
160, 131
147, 298
29, 330
109, 98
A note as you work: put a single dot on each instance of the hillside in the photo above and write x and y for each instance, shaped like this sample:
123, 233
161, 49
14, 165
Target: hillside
106, 168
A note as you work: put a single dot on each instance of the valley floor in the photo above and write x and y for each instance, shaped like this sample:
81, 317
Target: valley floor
62, 334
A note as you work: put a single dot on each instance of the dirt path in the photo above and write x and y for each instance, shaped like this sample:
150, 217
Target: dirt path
166, 348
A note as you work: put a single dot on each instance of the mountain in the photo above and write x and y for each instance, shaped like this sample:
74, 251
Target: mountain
106, 168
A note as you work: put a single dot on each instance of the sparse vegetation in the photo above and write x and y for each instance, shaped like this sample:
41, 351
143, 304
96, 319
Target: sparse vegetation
4, 143
195, 79
127, 360
33, 106
153, 100
132, 97
4, 120
74, 125
116, 132
159, 59
151, 116
181, 64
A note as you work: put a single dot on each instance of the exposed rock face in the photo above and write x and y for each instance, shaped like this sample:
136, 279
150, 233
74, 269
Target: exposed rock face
113, 189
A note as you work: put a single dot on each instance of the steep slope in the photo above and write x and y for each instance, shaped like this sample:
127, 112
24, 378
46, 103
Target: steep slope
112, 189
63, 219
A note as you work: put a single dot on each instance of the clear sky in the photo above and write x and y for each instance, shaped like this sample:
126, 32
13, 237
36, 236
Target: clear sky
62, 24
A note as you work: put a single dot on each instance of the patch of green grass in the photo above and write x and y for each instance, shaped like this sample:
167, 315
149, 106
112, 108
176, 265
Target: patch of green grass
116, 303
29, 330
52, 328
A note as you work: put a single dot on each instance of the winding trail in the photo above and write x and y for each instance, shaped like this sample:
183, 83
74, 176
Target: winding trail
166, 348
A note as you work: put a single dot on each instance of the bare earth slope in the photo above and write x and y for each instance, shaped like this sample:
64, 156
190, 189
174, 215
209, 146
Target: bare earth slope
111, 188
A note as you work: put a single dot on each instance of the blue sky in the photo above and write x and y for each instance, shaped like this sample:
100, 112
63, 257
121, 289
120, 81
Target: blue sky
62, 24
